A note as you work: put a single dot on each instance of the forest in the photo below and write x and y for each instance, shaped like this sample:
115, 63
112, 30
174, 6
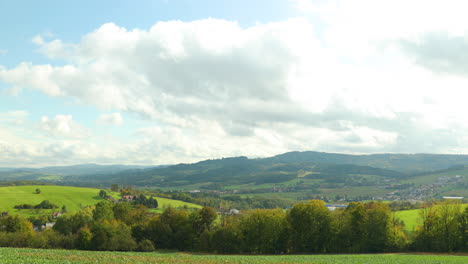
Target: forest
308, 227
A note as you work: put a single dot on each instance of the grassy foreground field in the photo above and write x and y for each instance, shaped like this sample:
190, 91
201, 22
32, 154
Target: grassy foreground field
18, 255
72, 197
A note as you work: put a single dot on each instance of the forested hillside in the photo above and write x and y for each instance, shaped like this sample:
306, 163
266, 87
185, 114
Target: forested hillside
301, 174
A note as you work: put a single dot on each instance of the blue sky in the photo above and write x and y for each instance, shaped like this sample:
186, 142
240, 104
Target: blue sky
165, 81
21, 20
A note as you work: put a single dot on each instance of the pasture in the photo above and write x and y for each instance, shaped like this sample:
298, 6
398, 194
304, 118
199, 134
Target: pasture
73, 198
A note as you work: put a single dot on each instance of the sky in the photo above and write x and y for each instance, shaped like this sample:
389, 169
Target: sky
154, 82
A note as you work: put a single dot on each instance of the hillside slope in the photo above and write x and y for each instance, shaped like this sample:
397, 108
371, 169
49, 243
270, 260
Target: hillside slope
73, 198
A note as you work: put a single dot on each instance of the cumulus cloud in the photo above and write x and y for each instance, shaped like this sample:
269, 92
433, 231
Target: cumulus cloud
110, 119
62, 126
14, 117
353, 83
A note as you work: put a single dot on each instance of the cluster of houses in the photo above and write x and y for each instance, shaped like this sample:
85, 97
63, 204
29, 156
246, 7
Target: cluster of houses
124, 198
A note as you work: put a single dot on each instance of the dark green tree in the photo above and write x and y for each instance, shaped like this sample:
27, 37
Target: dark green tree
103, 211
102, 194
310, 227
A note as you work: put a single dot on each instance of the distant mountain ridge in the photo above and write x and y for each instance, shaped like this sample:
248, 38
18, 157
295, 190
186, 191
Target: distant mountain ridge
56, 172
327, 168
406, 163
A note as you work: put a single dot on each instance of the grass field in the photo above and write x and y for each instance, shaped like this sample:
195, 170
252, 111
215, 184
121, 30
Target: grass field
16, 255
72, 197
410, 217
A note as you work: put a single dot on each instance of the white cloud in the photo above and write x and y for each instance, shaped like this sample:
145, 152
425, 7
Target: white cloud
63, 126
14, 117
363, 81
110, 119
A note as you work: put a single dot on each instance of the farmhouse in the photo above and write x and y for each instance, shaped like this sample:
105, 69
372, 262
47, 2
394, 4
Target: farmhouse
56, 214
128, 198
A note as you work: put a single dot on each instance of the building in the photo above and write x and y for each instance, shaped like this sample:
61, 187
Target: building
332, 207
453, 198
56, 214
128, 198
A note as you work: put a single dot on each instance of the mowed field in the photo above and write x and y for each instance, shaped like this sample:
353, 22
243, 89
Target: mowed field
21, 255
412, 218
74, 198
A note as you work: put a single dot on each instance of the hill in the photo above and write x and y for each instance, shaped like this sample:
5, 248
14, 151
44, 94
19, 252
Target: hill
297, 175
58, 172
241, 170
73, 198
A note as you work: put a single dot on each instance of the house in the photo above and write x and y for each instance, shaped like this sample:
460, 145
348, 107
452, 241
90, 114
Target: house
4, 214
234, 212
452, 198
332, 207
49, 225
128, 198
56, 214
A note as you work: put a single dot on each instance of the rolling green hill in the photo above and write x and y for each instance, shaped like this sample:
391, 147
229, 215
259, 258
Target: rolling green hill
73, 198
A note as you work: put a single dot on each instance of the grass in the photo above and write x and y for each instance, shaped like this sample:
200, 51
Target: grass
411, 218
74, 198
430, 178
17, 255
164, 203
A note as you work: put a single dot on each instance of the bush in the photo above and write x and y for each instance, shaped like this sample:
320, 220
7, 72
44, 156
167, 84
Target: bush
146, 246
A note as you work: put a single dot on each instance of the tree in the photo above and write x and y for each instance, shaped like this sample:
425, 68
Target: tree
122, 212
72, 223
115, 187
16, 224
378, 227
263, 231
171, 230
148, 202
310, 227
203, 219
38, 191
83, 240
102, 194
355, 227
111, 235
103, 211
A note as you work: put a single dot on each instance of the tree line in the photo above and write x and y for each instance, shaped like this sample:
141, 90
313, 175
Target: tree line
308, 227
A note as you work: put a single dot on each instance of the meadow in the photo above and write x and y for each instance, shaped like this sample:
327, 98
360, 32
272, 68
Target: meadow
22, 255
412, 219
74, 198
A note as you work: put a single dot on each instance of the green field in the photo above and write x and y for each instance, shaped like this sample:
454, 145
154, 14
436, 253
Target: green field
17, 255
411, 217
73, 198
